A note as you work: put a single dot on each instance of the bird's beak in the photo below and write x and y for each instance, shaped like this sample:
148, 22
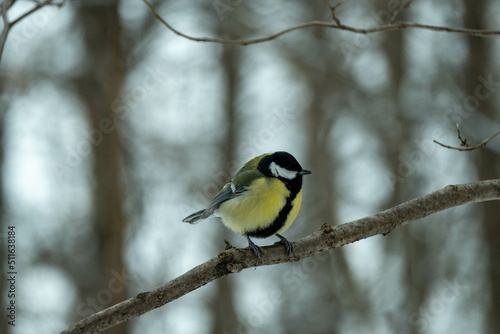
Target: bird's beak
304, 172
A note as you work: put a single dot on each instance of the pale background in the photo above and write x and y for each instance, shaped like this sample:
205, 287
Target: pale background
113, 129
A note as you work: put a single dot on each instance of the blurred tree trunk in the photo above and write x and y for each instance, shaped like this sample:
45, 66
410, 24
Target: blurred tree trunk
319, 123
326, 83
99, 87
415, 286
4, 328
480, 64
225, 319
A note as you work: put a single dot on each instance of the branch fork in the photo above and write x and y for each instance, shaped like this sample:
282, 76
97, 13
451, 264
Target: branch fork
465, 146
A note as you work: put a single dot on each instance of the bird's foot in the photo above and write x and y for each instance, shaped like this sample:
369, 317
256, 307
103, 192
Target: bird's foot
288, 245
255, 248
228, 245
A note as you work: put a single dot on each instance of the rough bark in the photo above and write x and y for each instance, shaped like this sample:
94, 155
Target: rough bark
327, 237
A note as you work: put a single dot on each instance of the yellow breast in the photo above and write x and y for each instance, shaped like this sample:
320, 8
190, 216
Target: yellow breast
258, 207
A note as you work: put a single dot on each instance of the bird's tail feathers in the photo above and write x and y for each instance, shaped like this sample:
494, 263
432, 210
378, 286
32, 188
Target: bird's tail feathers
194, 217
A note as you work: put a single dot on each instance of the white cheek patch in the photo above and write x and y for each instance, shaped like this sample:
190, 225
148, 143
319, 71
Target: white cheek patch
279, 171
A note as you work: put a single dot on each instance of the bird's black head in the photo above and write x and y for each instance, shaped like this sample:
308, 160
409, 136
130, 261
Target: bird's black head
283, 166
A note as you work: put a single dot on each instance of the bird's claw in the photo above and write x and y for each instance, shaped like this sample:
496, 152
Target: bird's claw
255, 248
288, 245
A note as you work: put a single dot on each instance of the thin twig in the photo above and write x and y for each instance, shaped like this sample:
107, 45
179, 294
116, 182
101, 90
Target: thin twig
463, 142
31, 11
389, 27
7, 4
399, 10
234, 260
8, 25
332, 10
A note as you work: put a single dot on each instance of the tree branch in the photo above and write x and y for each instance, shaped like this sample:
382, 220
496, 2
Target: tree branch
336, 25
463, 142
8, 25
332, 10
234, 260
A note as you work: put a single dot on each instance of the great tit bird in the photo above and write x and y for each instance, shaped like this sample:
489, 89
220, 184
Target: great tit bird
263, 199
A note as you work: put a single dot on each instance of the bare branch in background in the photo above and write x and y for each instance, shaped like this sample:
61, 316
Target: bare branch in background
332, 9
399, 10
233, 260
336, 25
466, 146
7, 25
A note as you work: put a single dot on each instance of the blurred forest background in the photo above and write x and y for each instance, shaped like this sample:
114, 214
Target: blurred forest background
113, 129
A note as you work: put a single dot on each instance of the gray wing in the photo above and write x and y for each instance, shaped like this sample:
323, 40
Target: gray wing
243, 178
194, 217
228, 192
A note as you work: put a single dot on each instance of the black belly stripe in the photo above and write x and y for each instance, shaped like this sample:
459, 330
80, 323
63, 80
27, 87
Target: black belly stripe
278, 223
